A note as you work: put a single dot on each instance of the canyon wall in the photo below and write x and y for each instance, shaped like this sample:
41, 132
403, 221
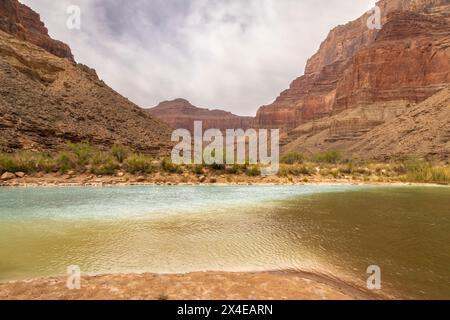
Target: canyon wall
405, 62
22, 22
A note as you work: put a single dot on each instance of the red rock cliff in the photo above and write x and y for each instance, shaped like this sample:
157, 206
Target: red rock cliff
406, 61
181, 114
22, 22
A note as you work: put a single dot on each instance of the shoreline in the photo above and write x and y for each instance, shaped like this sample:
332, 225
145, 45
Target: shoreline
266, 285
86, 180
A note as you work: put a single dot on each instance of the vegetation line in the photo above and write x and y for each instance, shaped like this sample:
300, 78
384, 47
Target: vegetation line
81, 158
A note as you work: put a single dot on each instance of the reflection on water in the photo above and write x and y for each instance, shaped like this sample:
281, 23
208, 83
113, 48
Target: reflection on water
332, 229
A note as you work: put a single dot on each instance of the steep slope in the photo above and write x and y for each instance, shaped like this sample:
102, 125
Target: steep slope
25, 24
423, 130
181, 114
46, 100
418, 130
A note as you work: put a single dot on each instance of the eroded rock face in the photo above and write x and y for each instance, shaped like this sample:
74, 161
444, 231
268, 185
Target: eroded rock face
181, 114
22, 22
405, 62
46, 101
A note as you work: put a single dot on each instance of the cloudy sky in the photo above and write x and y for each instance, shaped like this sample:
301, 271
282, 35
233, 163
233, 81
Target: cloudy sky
231, 54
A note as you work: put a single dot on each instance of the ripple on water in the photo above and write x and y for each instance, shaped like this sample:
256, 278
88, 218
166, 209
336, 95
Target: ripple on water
338, 230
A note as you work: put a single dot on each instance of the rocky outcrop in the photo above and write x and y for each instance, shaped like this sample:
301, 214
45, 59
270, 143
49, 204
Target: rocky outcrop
46, 101
181, 114
25, 24
404, 62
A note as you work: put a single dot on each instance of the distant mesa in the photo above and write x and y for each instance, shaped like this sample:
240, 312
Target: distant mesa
181, 114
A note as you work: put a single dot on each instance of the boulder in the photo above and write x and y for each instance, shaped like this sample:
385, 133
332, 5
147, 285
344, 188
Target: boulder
20, 174
8, 176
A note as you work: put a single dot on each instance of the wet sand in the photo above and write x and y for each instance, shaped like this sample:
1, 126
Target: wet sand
288, 285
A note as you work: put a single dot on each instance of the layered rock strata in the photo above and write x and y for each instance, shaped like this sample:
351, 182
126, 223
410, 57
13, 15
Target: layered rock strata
181, 114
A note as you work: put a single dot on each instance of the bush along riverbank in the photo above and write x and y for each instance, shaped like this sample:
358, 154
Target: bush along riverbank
79, 163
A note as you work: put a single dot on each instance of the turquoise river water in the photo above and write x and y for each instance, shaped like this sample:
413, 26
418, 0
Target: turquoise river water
335, 230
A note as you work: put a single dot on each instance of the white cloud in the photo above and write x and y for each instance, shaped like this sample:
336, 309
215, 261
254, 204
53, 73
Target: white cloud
231, 54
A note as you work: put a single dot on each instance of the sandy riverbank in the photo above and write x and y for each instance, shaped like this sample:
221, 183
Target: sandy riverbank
288, 285
55, 179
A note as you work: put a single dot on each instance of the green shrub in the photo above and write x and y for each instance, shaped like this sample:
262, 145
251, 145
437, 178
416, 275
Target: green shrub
168, 166
217, 167
298, 170
139, 164
331, 157
292, 158
253, 171
82, 152
66, 161
283, 171
233, 169
46, 164
347, 169
8, 163
198, 169
104, 164
119, 152
24, 161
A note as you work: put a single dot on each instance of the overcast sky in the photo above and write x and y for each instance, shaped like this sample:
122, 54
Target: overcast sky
231, 54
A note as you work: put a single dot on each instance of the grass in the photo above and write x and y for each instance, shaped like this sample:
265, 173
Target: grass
421, 171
